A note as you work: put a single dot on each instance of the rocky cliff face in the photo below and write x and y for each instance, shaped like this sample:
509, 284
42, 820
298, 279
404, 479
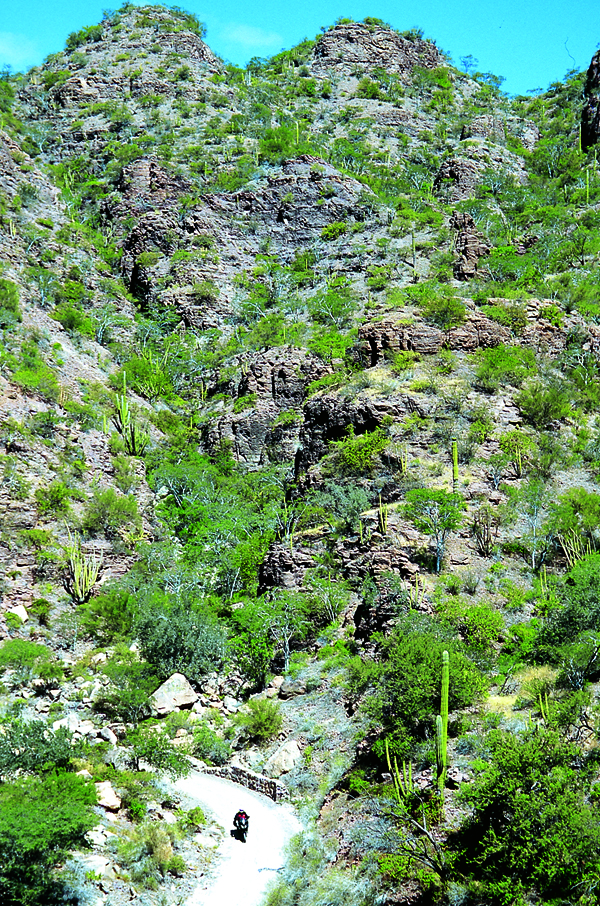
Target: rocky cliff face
590, 119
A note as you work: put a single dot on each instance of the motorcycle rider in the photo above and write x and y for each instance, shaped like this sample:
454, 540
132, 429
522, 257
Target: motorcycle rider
240, 822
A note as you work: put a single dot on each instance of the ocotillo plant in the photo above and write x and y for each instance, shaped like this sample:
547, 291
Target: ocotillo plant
454, 466
441, 726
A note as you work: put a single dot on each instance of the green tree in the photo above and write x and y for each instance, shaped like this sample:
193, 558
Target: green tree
435, 513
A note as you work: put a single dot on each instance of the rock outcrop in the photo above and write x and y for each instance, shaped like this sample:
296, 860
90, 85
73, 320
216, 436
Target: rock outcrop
457, 179
391, 336
372, 46
469, 245
590, 117
328, 418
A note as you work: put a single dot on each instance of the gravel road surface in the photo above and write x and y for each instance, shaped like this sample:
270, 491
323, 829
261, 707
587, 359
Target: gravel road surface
244, 869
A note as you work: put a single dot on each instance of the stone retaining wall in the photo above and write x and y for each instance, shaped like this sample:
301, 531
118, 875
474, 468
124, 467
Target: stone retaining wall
257, 782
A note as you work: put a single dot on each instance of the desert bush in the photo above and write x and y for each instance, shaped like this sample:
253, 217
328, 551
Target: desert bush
132, 683
54, 499
209, 746
108, 512
40, 821
356, 453
519, 449
262, 720
510, 315
28, 747
178, 639
368, 89
405, 686
542, 403
109, 616
345, 502
529, 808
152, 745
503, 365
147, 853
573, 610
10, 311
34, 375
24, 656
445, 311
74, 319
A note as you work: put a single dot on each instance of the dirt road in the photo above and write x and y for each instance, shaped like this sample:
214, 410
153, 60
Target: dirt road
244, 869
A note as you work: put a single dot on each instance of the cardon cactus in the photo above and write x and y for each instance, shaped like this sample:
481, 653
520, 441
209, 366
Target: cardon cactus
441, 725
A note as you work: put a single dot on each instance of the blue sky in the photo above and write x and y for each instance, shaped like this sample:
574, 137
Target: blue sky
531, 42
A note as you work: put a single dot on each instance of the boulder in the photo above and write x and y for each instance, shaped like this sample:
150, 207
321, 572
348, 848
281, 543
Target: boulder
284, 759
107, 734
97, 865
291, 688
174, 693
107, 797
20, 612
71, 722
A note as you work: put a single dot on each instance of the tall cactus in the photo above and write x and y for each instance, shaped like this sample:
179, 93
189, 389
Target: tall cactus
454, 466
441, 726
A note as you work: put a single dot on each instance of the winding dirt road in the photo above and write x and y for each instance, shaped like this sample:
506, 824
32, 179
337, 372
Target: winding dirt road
244, 869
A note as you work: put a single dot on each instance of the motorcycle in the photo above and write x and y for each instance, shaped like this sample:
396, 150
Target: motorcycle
241, 827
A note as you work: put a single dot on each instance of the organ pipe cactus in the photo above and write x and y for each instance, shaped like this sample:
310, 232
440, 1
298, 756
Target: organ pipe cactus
81, 571
454, 466
441, 726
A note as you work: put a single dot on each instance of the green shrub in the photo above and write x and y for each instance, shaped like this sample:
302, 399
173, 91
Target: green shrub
54, 499
108, 512
406, 685
529, 809
40, 821
73, 319
109, 616
180, 640
573, 610
262, 721
10, 311
334, 230
542, 403
152, 745
132, 683
366, 88
209, 746
445, 311
84, 36
356, 453
503, 365
146, 852
509, 315
33, 375
24, 655
33, 747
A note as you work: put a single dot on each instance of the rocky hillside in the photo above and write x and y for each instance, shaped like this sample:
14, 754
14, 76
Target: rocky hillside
298, 391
